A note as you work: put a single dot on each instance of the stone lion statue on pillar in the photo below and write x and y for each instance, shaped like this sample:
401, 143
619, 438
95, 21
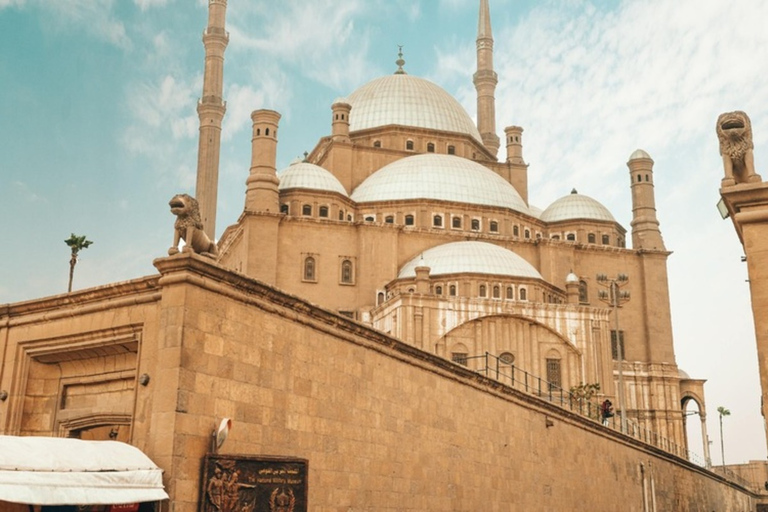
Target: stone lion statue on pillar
734, 131
189, 227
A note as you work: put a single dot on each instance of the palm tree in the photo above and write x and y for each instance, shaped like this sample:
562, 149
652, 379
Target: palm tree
722, 411
76, 243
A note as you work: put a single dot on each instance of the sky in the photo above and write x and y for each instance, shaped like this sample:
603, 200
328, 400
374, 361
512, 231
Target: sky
98, 130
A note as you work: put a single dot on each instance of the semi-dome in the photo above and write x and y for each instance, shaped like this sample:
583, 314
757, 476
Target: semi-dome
309, 176
470, 257
441, 177
576, 206
408, 101
638, 154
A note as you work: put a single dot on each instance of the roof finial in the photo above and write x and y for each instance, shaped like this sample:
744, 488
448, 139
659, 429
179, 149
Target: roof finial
573, 191
400, 62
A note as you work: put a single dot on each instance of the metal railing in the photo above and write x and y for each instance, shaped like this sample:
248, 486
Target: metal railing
495, 368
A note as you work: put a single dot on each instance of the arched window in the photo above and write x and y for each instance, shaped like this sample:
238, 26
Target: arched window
389, 219
496, 292
482, 290
571, 237
284, 208
377, 143
452, 290
523, 294
591, 238
437, 221
323, 212
456, 222
555, 237
380, 298
409, 220
494, 226
554, 372
516, 230
369, 218
309, 269
510, 293
527, 233
430, 147
258, 131
583, 292
349, 217
475, 224
409, 145
266, 132
438, 290
606, 240
306, 210
341, 214
451, 150
346, 272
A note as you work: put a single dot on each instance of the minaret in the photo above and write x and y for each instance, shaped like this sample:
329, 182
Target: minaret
210, 110
262, 194
645, 226
485, 80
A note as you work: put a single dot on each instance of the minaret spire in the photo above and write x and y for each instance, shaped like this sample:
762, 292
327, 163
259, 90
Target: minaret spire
485, 80
210, 110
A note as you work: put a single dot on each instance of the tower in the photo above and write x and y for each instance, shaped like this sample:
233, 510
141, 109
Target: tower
485, 80
210, 110
262, 184
645, 226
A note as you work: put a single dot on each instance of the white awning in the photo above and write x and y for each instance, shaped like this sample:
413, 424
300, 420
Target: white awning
59, 471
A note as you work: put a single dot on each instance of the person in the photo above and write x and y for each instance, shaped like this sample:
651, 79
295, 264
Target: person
606, 410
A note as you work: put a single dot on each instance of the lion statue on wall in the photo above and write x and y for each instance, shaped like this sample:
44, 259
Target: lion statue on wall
189, 227
734, 131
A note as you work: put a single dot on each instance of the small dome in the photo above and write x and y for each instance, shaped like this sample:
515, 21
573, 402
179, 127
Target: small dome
470, 257
576, 206
571, 278
407, 100
683, 374
309, 176
638, 154
441, 177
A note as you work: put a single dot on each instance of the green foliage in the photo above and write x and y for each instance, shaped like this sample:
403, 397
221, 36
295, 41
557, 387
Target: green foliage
585, 391
77, 243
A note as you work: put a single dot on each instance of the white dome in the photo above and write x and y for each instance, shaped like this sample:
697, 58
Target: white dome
576, 206
470, 257
408, 101
639, 153
441, 177
310, 176
571, 278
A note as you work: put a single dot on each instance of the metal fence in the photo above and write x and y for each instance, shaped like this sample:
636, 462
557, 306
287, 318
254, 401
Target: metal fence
495, 368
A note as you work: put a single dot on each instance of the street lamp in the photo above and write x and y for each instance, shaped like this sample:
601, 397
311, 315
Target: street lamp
722, 411
614, 297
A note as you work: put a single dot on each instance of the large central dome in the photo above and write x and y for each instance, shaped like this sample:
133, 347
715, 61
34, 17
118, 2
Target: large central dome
408, 101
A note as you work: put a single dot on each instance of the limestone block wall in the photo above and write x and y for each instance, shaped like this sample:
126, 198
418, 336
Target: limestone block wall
384, 426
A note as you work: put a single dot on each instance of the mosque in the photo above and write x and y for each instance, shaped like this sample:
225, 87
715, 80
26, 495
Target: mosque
395, 310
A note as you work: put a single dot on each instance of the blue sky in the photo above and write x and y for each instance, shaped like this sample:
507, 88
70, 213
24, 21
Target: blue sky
99, 129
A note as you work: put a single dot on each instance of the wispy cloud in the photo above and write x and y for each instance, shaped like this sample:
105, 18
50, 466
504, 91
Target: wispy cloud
96, 17
11, 3
23, 191
148, 4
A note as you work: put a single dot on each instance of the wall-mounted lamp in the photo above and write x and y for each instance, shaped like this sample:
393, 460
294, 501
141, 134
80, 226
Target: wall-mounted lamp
144, 379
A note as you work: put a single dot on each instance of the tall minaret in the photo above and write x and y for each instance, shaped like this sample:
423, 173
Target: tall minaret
210, 109
645, 225
485, 80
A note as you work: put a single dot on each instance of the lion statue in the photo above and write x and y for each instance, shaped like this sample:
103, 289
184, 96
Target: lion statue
734, 130
189, 227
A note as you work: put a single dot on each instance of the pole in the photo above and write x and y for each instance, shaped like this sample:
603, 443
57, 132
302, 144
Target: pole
620, 350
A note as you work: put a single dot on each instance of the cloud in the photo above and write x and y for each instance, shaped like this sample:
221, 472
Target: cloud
11, 3
23, 191
96, 17
148, 4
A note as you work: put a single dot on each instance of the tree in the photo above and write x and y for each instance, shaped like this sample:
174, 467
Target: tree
76, 244
722, 411
583, 393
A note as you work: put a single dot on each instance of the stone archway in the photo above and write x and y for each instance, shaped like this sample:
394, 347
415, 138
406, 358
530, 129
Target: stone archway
689, 397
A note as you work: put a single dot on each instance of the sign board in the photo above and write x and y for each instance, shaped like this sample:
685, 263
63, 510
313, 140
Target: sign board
244, 483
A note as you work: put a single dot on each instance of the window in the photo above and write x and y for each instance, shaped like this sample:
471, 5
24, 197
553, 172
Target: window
438, 290
266, 131
583, 295
430, 147
437, 221
349, 217
571, 237
510, 293
309, 269
258, 131
475, 224
523, 294
459, 357
346, 272
409, 220
591, 238
615, 346
323, 212
482, 290
377, 143
284, 208
555, 237
554, 374
527, 233
389, 219
646, 178
494, 226
639, 178
606, 240
452, 290
306, 210
409, 145
370, 218
496, 292
456, 222
380, 298
341, 214
451, 150
516, 230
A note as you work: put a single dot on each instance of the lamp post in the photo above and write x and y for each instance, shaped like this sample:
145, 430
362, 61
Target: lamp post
722, 411
614, 297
